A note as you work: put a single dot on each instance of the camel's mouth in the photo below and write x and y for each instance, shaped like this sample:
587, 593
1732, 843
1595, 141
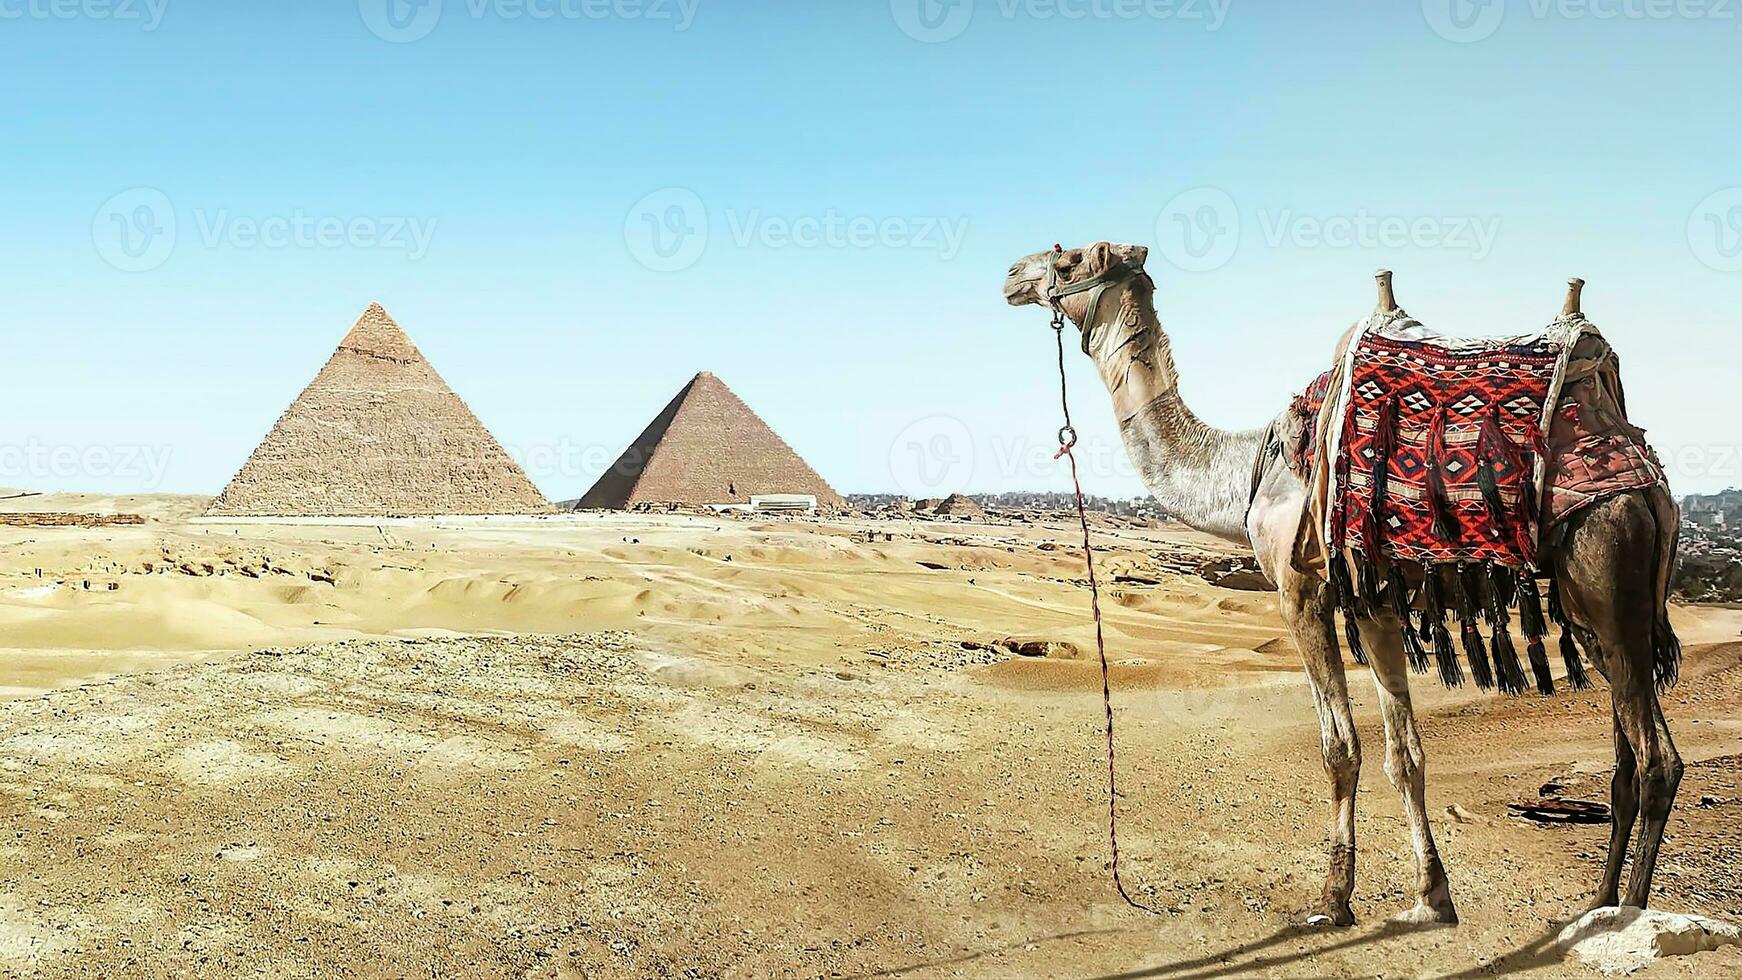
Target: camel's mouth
1025, 280
1022, 292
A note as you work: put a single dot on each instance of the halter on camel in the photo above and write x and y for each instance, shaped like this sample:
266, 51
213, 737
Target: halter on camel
1096, 287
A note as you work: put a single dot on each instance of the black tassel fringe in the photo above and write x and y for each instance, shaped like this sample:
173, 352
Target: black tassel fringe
1342, 590
1434, 620
1530, 618
1477, 653
1442, 509
1576, 675
1345, 600
1491, 492
1475, 588
1474, 594
1466, 595
1398, 587
1507, 667
1539, 666
1557, 613
1505, 585
1367, 576
1352, 633
1506, 664
1530, 621
1575, 664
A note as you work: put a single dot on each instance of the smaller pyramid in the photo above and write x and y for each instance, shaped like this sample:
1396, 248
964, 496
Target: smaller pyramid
958, 505
707, 447
378, 433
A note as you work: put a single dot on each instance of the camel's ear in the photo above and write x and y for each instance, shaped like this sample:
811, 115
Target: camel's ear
1105, 258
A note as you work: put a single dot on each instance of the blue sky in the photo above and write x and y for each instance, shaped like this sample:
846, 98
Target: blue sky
574, 205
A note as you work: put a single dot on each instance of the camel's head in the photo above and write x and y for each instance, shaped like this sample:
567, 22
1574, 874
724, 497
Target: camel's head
1036, 279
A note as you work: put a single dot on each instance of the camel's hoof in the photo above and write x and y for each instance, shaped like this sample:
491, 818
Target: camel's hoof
1428, 915
1340, 917
1603, 902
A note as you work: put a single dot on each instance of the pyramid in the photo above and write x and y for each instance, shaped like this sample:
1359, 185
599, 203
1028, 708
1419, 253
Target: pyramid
378, 433
707, 447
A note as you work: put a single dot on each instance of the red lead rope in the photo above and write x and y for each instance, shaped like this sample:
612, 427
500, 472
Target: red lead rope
1068, 442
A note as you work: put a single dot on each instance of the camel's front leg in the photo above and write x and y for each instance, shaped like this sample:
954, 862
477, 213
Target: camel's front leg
1313, 626
1406, 766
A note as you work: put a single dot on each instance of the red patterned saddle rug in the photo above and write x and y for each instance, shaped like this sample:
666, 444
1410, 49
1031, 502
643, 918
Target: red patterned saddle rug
1439, 458
1446, 457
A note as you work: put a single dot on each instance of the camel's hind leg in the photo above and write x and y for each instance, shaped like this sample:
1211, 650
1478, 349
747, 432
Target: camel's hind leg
1660, 774
1623, 807
1312, 624
1608, 577
1406, 766
1648, 771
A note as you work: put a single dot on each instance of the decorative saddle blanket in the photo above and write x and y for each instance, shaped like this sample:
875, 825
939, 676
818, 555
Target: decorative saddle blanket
1438, 463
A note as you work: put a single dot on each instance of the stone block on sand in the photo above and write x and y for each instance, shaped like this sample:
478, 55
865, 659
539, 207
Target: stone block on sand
1618, 941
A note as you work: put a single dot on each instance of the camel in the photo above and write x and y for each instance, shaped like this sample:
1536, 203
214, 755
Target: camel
1610, 565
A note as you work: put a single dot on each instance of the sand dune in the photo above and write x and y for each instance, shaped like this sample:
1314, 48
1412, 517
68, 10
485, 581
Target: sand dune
713, 586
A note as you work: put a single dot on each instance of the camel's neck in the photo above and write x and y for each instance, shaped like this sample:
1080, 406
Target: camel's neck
1202, 475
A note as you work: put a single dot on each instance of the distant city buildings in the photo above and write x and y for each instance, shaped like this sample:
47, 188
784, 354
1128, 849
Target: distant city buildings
1023, 500
1709, 570
1710, 565
1718, 510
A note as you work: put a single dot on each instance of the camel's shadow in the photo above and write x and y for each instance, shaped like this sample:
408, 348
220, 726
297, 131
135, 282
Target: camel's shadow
966, 958
1245, 959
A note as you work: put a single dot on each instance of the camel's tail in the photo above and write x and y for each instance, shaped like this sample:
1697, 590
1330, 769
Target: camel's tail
1666, 648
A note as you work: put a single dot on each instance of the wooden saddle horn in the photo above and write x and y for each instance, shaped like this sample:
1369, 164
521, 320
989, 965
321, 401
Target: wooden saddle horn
1575, 286
1387, 299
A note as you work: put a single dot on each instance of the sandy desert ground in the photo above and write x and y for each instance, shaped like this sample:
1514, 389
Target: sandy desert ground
689, 747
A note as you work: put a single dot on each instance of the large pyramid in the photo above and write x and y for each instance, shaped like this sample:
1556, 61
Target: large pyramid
707, 447
378, 433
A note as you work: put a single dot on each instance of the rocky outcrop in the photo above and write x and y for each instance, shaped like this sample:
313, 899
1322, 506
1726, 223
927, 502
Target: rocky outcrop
1618, 941
957, 505
69, 520
1708, 573
1040, 647
1235, 572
